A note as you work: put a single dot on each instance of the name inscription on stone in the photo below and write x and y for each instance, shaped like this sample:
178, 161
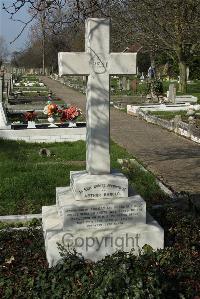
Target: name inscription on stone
105, 215
98, 63
102, 191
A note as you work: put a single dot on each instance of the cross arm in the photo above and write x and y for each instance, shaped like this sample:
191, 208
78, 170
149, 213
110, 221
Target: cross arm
123, 63
73, 63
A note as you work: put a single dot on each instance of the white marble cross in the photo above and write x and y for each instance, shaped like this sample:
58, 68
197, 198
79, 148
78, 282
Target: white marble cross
98, 63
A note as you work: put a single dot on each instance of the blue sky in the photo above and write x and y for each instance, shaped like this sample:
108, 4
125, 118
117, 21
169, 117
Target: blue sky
9, 29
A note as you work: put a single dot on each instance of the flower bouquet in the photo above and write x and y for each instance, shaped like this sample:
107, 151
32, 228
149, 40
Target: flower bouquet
51, 110
70, 114
30, 117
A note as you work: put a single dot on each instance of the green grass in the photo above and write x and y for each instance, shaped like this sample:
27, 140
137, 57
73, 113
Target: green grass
28, 181
30, 88
30, 77
192, 88
34, 93
168, 114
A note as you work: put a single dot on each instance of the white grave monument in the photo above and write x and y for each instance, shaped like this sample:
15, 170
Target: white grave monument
3, 118
96, 215
172, 93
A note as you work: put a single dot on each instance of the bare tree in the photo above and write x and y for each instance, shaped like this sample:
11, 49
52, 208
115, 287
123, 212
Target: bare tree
171, 26
55, 16
63, 11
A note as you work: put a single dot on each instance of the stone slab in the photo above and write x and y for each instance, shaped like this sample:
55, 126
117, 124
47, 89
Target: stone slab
186, 99
86, 186
96, 244
99, 213
20, 218
51, 222
44, 135
3, 118
133, 109
64, 195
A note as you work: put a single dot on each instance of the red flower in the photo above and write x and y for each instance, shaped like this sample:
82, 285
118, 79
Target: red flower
30, 115
70, 113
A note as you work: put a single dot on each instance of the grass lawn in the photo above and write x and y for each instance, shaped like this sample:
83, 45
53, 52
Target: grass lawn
192, 88
30, 88
169, 115
28, 181
35, 92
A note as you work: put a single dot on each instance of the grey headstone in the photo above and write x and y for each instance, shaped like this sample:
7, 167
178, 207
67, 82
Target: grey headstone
172, 93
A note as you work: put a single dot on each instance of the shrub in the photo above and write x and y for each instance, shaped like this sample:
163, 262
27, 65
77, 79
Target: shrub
173, 272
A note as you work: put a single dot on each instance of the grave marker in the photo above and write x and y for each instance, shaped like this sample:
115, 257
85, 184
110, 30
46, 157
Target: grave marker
99, 64
124, 84
3, 118
172, 93
95, 211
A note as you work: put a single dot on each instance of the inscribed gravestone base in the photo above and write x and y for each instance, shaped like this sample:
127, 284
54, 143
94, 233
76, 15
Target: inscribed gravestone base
96, 210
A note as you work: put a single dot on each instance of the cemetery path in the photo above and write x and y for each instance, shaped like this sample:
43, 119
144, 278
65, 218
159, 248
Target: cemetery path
173, 159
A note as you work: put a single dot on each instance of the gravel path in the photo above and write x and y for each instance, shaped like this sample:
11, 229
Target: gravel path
173, 159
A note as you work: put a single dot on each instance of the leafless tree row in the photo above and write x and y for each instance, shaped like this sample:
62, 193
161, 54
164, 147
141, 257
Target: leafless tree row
171, 26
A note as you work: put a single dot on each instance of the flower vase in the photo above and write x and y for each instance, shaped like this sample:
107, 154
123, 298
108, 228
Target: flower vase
72, 124
31, 124
51, 120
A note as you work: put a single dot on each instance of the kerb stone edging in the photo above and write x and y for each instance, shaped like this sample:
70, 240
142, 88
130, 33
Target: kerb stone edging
45, 135
178, 127
20, 218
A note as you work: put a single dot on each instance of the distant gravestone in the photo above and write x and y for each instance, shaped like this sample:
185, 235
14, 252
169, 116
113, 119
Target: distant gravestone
124, 83
172, 93
3, 118
128, 85
11, 81
96, 206
134, 85
119, 83
187, 72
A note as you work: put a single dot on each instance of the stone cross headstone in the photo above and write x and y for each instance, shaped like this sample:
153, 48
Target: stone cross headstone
99, 64
96, 211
